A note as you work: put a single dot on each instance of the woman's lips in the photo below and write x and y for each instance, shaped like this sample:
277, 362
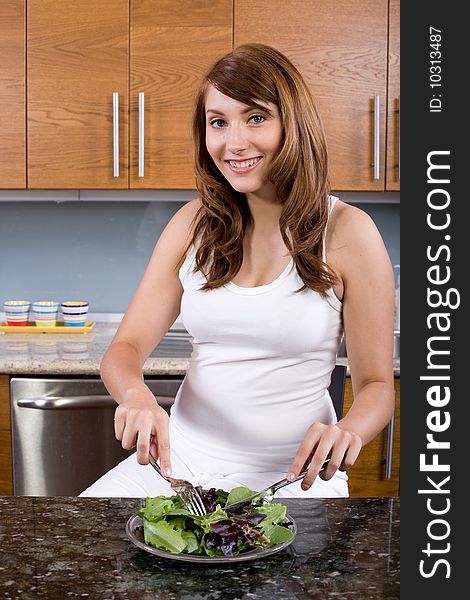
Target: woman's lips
243, 166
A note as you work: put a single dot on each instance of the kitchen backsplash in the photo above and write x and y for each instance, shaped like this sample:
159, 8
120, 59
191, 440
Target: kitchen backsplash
98, 251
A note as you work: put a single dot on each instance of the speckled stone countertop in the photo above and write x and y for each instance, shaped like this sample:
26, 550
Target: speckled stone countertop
57, 548
79, 354
70, 353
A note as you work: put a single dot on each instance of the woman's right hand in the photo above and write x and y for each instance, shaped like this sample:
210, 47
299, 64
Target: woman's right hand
140, 422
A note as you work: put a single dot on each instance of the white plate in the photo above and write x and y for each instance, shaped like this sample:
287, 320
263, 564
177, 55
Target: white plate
135, 534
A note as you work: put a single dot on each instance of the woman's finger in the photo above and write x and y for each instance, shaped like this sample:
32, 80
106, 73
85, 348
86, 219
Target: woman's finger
119, 420
304, 453
143, 444
163, 441
351, 454
316, 465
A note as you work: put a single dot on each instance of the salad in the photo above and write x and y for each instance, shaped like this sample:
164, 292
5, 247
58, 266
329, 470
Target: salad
167, 524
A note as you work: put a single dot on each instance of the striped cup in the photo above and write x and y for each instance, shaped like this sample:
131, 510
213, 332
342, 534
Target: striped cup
16, 311
45, 313
74, 312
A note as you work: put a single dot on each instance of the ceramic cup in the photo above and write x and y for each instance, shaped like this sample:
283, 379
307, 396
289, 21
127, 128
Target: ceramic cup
45, 313
16, 312
74, 312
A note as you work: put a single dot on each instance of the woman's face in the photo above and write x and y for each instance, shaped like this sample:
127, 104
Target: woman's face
242, 141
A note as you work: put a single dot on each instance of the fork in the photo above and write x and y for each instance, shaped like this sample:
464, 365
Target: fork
268, 493
184, 489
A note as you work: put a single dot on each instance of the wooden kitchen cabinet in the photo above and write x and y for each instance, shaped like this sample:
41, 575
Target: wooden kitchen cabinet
12, 95
393, 112
172, 46
80, 55
77, 57
367, 476
341, 49
6, 465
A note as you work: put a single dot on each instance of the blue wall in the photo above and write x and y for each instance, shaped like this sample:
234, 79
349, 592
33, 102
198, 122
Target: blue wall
98, 251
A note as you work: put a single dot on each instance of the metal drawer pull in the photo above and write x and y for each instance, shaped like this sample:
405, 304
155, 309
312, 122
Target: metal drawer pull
141, 134
64, 403
376, 137
388, 460
116, 133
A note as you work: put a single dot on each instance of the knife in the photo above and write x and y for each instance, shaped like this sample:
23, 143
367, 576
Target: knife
268, 493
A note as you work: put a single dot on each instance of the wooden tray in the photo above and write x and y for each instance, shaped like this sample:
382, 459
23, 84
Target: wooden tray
33, 328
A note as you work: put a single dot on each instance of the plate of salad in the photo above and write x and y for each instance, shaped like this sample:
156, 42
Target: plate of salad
164, 527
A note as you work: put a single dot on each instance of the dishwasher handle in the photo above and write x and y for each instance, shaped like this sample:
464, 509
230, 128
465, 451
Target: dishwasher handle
73, 402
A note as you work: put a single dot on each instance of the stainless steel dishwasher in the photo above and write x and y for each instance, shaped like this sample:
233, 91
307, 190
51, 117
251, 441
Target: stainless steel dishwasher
63, 427
63, 432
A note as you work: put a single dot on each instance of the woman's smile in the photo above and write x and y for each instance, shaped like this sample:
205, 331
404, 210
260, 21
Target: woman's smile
244, 166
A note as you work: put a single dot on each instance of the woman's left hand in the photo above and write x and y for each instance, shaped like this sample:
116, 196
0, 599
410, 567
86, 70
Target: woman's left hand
341, 446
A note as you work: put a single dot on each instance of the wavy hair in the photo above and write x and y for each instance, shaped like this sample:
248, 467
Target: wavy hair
299, 173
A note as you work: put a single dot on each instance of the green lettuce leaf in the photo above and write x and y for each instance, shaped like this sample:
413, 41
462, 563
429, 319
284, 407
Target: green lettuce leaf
275, 513
163, 535
239, 493
277, 534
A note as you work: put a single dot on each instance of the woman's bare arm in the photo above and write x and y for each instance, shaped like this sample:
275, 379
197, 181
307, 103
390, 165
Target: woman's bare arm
151, 312
357, 254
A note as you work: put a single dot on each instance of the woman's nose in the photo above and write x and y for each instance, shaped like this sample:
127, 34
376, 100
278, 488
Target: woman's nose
236, 138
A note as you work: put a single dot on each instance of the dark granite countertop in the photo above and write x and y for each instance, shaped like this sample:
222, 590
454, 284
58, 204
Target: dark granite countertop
59, 548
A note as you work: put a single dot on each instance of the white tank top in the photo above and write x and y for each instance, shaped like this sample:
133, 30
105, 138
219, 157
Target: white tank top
259, 371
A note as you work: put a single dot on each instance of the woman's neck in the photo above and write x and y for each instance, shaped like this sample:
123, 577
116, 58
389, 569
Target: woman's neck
265, 210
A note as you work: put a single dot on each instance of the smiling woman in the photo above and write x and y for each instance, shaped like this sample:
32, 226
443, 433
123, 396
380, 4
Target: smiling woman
256, 128
267, 270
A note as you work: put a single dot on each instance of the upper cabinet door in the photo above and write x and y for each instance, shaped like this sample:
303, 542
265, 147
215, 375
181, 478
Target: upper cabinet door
393, 118
77, 58
12, 95
341, 49
172, 45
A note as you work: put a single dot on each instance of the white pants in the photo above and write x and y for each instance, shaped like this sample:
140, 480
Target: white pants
131, 480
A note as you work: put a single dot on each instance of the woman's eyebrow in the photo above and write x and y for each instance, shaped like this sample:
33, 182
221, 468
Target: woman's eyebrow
244, 111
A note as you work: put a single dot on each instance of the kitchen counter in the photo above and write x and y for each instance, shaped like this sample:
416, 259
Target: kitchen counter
71, 354
80, 354
77, 548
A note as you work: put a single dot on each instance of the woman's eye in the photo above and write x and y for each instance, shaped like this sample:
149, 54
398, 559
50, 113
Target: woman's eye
258, 119
217, 123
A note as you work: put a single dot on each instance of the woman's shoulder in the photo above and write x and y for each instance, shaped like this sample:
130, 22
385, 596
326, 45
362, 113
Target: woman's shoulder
350, 224
175, 239
181, 225
186, 216
353, 240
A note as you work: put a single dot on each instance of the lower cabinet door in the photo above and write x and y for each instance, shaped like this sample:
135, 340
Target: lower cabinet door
6, 472
376, 472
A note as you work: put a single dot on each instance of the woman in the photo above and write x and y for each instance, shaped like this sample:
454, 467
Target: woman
266, 269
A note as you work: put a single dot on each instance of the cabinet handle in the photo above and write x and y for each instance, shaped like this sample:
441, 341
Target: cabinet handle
388, 460
398, 138
116, 133
141, 134
376, 137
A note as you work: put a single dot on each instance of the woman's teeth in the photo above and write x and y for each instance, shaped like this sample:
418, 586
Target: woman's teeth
243, 164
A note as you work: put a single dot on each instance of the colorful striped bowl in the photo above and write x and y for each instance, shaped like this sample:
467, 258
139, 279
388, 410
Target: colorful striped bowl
74, 312
45, 313
16, 312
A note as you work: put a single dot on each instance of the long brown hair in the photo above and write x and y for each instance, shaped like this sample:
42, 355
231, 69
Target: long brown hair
251, 73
